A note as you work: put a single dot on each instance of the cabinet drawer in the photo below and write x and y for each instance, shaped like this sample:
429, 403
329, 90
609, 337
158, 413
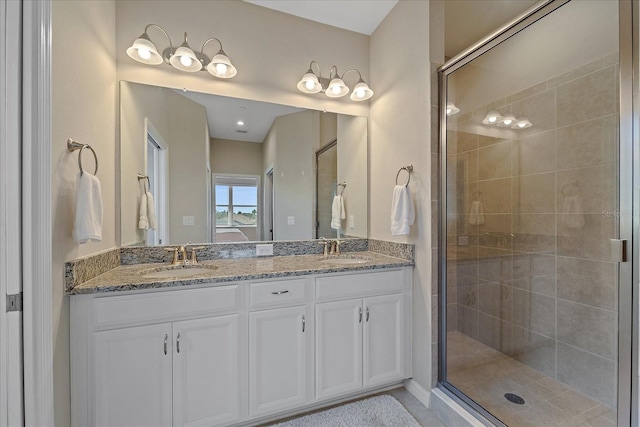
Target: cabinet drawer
361, 284
164, 306
273, 294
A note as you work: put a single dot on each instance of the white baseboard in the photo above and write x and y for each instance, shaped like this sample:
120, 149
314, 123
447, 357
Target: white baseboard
420, 393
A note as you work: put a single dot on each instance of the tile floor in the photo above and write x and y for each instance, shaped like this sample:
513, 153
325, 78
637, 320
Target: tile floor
485, 375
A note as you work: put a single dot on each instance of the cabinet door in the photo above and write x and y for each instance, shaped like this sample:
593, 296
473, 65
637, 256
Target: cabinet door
383, 339
338, 347
132, 373
277, 359
206, 371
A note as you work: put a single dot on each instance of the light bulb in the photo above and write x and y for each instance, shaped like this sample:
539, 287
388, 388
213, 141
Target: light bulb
309, 84
449, 110
144, 53
221, 68
185, 60
335, 89
360, 92
507, 121
240, 123
521, 124
493, 119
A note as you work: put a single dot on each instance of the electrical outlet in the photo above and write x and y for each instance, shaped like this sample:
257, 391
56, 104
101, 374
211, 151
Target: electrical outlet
463, 240
291, 220
188, 220
352, 221
264, 250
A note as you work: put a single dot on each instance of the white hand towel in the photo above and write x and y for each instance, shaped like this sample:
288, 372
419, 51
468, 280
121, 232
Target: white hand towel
337, 212
476, 213
402, 211
151, 212
143, 221
87, 225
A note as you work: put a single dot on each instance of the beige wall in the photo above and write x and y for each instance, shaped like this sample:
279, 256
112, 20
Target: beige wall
296, 135
352, 169
84, 108
237, 157
182, 123
270, 49
399, 132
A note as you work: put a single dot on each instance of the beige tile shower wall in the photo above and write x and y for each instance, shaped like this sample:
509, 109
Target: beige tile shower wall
535, 281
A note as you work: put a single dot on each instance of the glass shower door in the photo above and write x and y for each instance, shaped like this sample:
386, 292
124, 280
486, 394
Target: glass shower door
531, 203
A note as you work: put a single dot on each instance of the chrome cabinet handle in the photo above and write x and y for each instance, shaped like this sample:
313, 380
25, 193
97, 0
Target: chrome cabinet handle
360, 320
303, 323
178, 343
166, 337
367, 314
279, 292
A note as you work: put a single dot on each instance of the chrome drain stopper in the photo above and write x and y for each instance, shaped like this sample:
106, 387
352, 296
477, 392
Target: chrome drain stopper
514, 398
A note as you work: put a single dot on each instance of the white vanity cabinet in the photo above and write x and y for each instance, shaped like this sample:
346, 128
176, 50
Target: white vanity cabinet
237, 354
360, 342
279, 339
132, 369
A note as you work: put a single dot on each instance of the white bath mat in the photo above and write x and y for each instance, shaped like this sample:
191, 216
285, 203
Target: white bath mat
378, 411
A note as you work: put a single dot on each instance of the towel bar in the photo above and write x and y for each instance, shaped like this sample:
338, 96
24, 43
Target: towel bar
74, 145
409, 169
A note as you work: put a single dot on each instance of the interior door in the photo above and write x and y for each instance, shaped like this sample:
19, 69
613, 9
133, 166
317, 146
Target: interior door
11, 368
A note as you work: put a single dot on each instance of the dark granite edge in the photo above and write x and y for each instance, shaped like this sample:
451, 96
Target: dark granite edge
406, 251
88, 267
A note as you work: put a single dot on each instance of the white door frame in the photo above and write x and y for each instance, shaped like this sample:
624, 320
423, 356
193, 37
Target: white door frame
11, 403
36, 213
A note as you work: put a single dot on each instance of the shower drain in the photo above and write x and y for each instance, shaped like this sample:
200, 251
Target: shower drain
514, 398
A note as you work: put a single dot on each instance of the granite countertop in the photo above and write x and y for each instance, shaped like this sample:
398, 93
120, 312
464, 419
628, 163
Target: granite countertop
131, 277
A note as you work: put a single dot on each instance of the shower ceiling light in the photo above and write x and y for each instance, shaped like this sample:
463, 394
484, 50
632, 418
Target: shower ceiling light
521, 123
334, 86
452, 109
182, 58
492, 118
507, 121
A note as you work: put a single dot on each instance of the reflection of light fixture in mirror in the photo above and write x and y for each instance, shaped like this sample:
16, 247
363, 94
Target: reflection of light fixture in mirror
334, 86
507, 121
493, 117
521, 123
452, 109
182, 58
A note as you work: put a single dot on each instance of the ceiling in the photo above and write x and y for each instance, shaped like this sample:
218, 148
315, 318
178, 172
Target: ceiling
466, 21
361, 16
223, 114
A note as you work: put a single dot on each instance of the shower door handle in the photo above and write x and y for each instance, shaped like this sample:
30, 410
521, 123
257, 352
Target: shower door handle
618, 250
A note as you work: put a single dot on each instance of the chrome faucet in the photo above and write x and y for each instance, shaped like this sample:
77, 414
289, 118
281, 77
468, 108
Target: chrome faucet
335, 247
323, 241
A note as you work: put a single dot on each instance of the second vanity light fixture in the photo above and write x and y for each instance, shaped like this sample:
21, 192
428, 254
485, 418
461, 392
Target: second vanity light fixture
494, 117
334, 86
183, 57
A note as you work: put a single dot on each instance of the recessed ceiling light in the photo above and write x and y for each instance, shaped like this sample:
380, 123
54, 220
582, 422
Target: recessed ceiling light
240, 123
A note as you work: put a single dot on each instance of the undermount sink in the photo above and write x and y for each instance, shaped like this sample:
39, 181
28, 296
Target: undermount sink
171, 271
346, 259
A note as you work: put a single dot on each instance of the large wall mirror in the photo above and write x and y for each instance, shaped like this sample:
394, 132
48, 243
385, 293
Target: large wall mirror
204, 168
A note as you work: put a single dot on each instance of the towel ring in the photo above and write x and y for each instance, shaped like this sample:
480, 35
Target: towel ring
73, 146
409, 169
343, 185
148, 184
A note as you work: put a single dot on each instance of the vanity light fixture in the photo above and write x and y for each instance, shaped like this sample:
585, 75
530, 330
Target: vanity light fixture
507, 121
493, 117
182, 58
334, 86
452, 109
521, 123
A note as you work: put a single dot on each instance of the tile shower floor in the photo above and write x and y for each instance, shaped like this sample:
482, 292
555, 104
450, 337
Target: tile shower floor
485, 375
